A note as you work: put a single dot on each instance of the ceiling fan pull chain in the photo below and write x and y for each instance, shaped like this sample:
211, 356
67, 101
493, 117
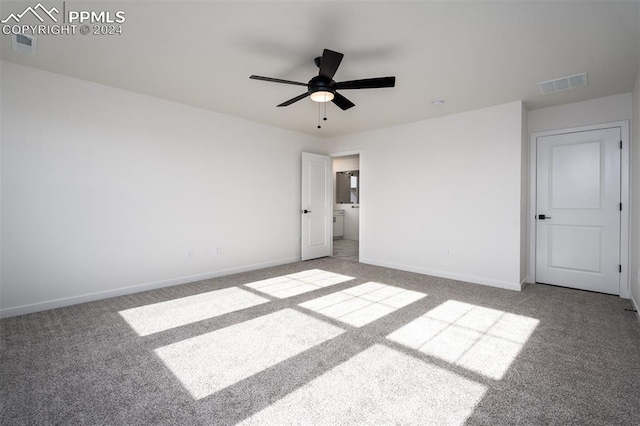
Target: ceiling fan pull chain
319, 126
325, 111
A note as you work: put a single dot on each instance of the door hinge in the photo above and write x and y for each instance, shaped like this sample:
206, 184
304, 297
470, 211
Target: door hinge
620, 206
620, 144
620, 268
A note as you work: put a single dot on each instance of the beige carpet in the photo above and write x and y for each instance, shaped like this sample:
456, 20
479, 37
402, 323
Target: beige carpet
326, 342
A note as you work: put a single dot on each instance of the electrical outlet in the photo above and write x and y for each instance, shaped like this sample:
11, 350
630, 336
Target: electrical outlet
218, 250
189, 253
447, 251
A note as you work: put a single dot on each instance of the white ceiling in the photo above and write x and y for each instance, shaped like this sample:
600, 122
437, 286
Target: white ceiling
471, 54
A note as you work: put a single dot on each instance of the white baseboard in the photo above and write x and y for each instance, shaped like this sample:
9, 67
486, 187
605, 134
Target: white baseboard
442, 274
90, 297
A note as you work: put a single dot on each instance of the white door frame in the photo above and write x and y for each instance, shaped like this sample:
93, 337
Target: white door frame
624, 196
339, 154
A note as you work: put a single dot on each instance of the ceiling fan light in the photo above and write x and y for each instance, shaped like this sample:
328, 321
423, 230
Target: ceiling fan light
322, 96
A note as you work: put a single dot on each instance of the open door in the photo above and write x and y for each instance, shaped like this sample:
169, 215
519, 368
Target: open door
317, 207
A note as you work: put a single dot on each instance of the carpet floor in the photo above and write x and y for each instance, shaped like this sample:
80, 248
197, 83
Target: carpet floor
326, 342
346, 249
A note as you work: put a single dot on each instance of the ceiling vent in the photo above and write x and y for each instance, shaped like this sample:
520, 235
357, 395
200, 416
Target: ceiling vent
564, 83
24, 44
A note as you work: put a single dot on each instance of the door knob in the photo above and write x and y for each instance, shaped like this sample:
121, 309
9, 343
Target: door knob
306, 211
543, 217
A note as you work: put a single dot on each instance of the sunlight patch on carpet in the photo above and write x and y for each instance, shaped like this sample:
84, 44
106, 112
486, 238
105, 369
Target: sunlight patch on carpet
163, 316
298, 283
377, 386
363, 304
213, 361
480, 339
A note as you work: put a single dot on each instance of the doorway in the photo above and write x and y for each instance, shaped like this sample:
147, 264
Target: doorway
579, 206
346, 206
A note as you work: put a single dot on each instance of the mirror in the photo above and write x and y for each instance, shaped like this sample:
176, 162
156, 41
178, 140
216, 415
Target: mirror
347, 184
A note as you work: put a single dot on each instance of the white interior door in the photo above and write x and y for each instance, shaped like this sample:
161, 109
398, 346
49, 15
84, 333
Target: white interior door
578, 210
317, 207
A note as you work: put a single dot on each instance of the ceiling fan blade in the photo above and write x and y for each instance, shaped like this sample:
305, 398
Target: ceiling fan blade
276, 80
367, 83
329, 63
296, 99
342, 102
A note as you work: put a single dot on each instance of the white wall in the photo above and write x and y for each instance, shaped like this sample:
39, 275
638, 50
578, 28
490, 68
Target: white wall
634, 279
458, 179
594, 111
104, 191
351, 215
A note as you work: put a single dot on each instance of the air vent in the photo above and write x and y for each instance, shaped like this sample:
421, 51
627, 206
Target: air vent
24, 44
564, 83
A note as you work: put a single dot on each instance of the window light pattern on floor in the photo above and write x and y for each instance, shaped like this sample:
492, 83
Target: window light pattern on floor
363, 304
298, 283
480, 339
150, 319
379, 386
213, 361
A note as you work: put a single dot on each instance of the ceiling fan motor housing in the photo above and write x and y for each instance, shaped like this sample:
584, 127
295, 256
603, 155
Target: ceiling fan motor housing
321, 84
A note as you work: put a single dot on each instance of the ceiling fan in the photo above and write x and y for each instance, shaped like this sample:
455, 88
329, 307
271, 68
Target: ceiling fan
322, 88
